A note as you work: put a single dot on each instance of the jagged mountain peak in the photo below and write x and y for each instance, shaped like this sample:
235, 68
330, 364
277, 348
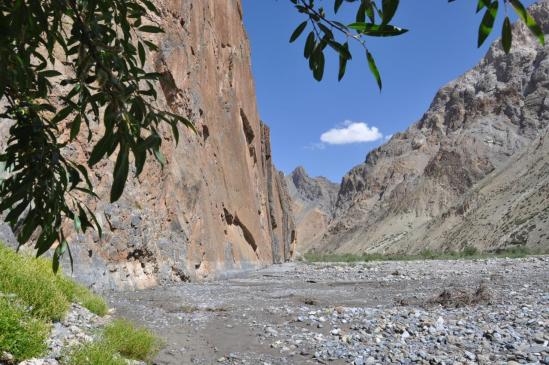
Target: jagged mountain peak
474, 127
313, 200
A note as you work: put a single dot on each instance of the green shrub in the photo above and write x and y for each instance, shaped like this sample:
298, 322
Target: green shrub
93, 353
427, 254
133, 342
470, 251
20, 334
517, 252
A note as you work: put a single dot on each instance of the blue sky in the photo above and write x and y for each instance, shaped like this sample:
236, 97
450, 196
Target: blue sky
440, 46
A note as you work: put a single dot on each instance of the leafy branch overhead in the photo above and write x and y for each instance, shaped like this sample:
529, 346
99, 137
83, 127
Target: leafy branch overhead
373, 19
104, 45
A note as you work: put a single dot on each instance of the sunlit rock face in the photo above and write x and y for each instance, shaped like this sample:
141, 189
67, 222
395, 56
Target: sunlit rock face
313, 200
473, 171
218, 206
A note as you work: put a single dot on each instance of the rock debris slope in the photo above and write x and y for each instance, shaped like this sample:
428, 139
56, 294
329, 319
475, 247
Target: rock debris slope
219, 205
473, 171
313, 200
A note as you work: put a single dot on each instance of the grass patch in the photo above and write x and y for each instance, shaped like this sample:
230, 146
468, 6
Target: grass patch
34, 283
118, 341
80, 294
137, 343
467, 253
21, 335
93, 353
31, 296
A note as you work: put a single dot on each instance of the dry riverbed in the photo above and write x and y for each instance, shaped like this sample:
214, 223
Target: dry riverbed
493, 311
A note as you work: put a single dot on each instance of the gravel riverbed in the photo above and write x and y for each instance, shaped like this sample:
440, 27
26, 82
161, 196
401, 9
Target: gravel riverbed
493, 311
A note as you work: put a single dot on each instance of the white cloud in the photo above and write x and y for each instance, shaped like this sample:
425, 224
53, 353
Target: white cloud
351, 132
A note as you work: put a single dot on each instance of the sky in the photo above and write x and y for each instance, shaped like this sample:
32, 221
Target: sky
329, 127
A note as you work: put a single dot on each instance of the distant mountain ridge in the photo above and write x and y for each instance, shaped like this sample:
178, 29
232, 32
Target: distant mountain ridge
313, 200
471, 172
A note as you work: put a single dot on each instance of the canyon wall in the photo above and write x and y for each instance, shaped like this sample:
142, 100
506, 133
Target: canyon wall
219, 205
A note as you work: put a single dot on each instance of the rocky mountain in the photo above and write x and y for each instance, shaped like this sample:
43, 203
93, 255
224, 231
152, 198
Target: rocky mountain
219, 205
313, 199
473, 171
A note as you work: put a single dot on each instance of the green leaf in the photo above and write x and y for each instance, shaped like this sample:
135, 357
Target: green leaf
100, 149
50, 73
121, 169
377, 30
141, 51
77, 224
309, 45
337, 5
343, 62
507, 35
13, 215
318, 68
528, 20
150, 6
62, 115
373, 69
58, 254
30, 225
297, 32
341, 49
389, 9
175, 132
75, 127
361, 12
150, 29
487, 23
45, 241
151, 46
159, 155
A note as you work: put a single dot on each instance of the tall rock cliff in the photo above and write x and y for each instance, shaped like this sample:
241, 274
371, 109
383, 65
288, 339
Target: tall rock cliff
313, 200
450, 178
219, 205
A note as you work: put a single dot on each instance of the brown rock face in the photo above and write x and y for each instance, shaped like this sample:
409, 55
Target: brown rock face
423, 188
219, 205
313, 200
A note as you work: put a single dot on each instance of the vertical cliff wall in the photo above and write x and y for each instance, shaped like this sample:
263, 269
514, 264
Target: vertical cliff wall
219, 205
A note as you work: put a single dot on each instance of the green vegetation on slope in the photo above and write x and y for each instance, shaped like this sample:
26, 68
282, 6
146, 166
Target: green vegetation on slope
31, 296
467, 253
21, 334
49, 295
119, 340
